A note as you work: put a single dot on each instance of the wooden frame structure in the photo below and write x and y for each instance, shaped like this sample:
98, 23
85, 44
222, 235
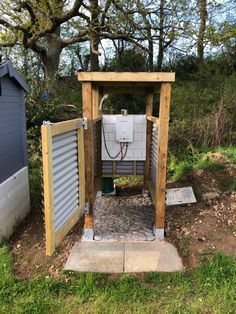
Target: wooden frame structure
97, 84
49, 132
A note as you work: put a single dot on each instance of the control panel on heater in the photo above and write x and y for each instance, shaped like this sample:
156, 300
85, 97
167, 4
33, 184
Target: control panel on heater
124, 129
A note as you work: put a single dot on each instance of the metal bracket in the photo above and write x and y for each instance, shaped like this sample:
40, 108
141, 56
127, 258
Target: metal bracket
145, 193
86, 208
83, 122
47, 123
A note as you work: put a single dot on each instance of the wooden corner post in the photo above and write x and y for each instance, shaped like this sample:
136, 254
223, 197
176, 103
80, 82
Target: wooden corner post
149, 112
46, 131
160, 199
99, 145
88, 151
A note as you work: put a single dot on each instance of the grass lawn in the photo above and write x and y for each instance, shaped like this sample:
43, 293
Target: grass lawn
210, 288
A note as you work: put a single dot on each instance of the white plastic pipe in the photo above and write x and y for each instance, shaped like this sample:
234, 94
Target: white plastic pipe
102, 100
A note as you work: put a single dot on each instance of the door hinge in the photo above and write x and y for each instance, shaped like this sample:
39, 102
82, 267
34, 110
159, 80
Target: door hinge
47, 123
85, 209
83, 122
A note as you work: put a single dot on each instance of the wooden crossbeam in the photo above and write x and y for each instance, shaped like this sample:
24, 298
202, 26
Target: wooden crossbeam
154, 120
126, 77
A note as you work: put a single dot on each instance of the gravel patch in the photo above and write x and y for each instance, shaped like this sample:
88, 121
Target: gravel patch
119, 218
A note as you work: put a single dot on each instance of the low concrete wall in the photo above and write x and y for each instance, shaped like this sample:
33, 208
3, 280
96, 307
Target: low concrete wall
14, 201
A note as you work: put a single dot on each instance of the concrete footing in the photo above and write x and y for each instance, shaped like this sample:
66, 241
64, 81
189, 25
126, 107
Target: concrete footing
87, 235
159, 234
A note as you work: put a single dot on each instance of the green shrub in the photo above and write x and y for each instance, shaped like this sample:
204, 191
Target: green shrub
180, 166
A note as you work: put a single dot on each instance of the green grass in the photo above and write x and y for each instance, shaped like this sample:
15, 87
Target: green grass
229, 151
177, 168
210, 288
125, 180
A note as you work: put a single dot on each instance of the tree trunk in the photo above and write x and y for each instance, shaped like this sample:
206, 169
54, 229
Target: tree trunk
202, 6
51, 58
161, 36
150, 54
94, 39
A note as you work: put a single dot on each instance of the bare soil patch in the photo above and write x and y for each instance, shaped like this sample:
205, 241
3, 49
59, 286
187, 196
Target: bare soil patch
28, 248
210, 224
196, 230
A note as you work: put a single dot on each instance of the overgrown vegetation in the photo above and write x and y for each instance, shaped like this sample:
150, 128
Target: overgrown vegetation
203, 113
209, 288
205, 159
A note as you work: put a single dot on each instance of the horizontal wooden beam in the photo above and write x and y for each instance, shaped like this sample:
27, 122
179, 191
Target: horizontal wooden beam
129, 77
155, 120
65, 126
96, 120
129, 88
110, 175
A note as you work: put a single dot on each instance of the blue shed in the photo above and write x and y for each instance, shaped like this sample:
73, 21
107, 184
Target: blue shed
14, 186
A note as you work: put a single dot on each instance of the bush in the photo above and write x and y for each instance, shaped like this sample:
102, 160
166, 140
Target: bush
203, 114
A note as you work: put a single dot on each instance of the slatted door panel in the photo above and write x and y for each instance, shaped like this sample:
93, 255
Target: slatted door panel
63, 173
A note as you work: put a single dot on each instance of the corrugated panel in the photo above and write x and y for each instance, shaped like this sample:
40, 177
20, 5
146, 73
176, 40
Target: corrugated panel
154, 153
65, 176
95, 149
140, 167
123, 167
106, 167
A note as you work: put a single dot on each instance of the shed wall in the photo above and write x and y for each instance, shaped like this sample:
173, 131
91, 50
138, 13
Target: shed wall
13, 150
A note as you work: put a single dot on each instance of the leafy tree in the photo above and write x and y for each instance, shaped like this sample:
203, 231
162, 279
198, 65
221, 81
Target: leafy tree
38, 25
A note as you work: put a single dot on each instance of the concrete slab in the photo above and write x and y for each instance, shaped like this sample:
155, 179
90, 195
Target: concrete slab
104, 257
118, 257
157, 256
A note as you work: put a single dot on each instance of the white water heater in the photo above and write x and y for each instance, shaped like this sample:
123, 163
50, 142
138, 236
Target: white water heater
124, 128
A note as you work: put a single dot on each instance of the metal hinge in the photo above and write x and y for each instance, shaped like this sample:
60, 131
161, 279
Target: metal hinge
85, 209
47, 123
83, 122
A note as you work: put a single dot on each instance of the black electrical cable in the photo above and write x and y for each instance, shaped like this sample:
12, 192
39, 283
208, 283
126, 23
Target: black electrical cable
105, 144
126, 149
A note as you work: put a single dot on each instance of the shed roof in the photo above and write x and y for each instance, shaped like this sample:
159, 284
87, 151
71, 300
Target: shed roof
6, 68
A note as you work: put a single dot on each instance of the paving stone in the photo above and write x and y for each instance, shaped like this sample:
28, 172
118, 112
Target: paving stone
97, 237
96, 257
151, 256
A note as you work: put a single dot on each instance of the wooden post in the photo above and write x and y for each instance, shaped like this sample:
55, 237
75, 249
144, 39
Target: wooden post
80, 143
46, 131
149, 110
88, 150
160, 198
99, 143
95, 102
